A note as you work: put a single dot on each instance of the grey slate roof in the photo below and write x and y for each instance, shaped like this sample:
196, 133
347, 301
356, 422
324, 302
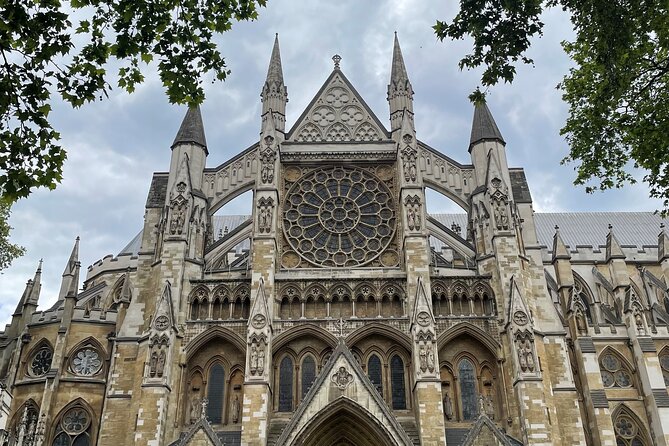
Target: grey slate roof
192, 129
576, 228
157, 190
483, 125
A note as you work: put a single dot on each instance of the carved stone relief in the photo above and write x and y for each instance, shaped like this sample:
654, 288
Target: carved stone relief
265, 214
409, 156
413, 212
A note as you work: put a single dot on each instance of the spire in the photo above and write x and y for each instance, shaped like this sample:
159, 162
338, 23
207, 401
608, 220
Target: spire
71, 273
192, 129
400, 92
484, 127
398, 71
274, 93
37, 285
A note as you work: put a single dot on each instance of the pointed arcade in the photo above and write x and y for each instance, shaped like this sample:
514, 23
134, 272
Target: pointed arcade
191, 130
484, 127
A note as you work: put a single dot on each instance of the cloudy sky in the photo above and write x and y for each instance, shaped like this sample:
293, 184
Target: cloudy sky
114, 146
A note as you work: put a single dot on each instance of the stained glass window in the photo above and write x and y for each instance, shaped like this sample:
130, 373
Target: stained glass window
286, 385
614, 373
308, 374
215, 388
467, 378
41, 362
74, 428
397, 383
374, 372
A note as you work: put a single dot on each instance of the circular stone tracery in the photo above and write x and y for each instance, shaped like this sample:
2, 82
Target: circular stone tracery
339, 217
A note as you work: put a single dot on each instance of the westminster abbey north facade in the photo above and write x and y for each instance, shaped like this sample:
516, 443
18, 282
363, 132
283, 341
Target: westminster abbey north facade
341, 312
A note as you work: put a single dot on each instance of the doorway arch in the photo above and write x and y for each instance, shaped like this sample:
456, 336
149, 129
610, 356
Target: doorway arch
344, 422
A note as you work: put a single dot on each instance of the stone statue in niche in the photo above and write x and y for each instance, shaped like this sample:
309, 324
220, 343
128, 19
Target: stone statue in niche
153, 364
160, 367
448, 407
581, 322
254, 360
178, 214
195, 407
261, 360
501, 215
430, 359
412, 204
489, 407
265, 208
481, 405
638, 321
422, 355
267, 160
234, 410
409, 158
529, 355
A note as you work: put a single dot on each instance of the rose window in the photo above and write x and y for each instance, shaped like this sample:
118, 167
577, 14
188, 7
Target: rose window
41, 362
339, 217
86, 362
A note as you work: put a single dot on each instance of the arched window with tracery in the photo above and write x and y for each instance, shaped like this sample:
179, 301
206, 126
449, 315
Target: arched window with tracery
286, 385
398, 386
664, 363
628, 430
581, 292
374, 372
215, 393
308, 373
73, 428
615, 372
468, 397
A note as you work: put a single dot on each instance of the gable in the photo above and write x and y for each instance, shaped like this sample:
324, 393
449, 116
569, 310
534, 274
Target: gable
337, 114
343, 385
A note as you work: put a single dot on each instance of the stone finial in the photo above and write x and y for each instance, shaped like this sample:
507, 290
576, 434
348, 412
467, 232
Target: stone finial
484, 127
203, 411
191, 130
336, 59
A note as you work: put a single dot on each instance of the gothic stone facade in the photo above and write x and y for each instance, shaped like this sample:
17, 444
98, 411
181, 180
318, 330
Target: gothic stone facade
353, 317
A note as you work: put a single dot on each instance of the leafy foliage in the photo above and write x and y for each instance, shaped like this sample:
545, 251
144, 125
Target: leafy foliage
8, 251
617, 92
38, 58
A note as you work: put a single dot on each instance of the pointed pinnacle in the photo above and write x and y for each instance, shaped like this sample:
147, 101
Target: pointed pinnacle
613, 249
37, 285
274, 71
398, 71
484, 127
191, 130
74, 258
560, 250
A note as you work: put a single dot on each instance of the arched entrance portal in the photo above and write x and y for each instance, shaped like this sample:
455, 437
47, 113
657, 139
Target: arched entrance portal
344, 423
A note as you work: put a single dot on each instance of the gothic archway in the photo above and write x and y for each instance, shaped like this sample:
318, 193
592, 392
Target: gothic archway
344, 423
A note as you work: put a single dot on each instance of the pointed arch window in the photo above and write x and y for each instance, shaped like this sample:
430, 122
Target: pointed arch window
468, 398
398, 387
664, 363
40, 363
374, 373
215, 391
614, 372
286, 385
73, 428
581, 293
308, 373
628, 432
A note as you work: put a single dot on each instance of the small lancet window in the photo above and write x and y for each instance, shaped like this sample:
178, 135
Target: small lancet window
374, 372
399, 399
286, 385
215, 390
467, 378
308, 374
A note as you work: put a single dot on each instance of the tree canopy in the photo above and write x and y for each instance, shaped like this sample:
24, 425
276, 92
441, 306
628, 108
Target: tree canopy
40, 56
616, 92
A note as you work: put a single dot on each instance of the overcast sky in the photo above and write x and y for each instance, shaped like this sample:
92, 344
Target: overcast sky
114, 146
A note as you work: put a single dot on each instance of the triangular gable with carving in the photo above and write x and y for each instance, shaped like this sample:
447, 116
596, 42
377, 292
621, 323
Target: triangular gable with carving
518, 312
486, 433
260, 315
200, 434
164, 317
342, 381
422, 305
338, 114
